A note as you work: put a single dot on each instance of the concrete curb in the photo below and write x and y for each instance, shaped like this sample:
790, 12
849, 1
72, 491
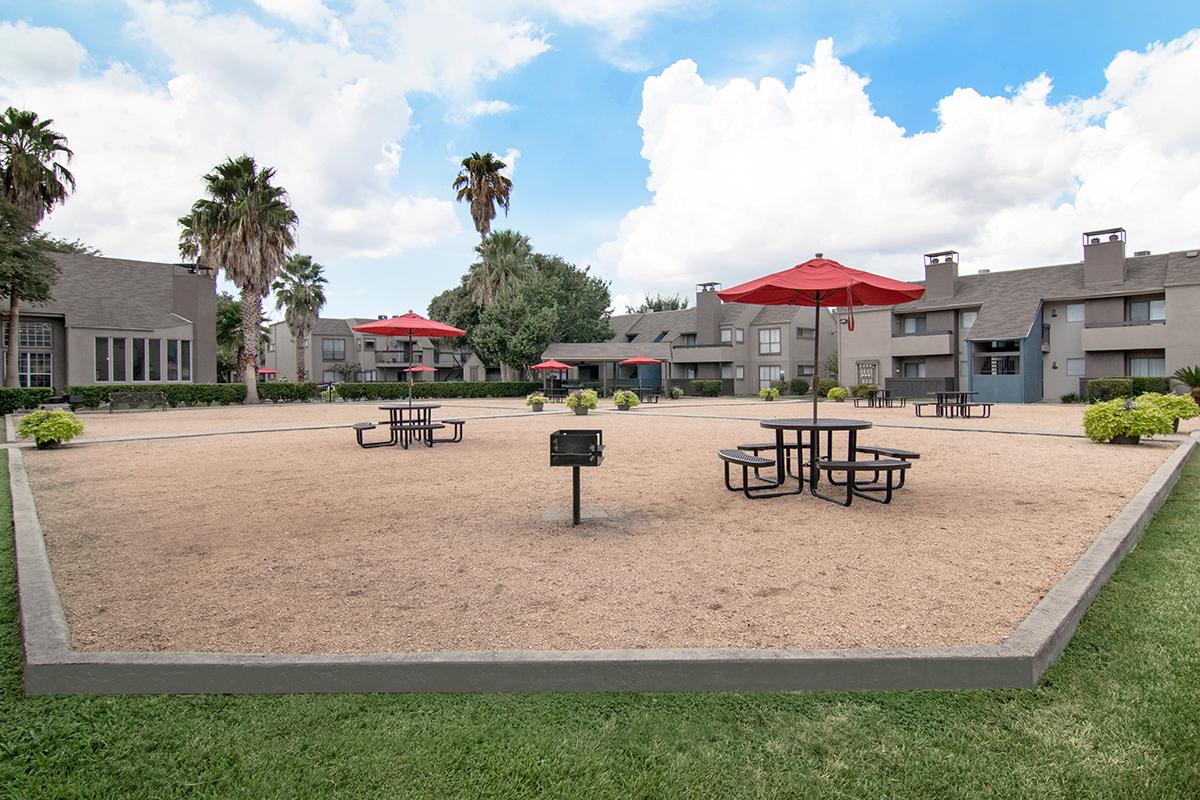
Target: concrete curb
51, 667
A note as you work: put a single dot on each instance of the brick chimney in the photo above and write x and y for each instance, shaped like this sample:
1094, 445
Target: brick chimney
708, 314
1104, 257
941, 275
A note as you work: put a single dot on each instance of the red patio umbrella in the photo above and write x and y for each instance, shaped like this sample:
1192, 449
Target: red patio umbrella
629, 362
262, 371
551, 365
822, 283
409, 325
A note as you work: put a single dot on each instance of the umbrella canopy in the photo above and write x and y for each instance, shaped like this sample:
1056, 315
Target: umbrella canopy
262, 371
420, 368
551, 365
822, 283
630, 362
409, 325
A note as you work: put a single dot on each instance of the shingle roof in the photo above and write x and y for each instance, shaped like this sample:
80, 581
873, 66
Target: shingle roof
113, 293
1008, 301
606, 351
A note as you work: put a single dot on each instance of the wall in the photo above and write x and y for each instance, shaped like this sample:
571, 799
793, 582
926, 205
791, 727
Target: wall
871, 340
1032, 359
81, 347
1183, 327
1065, 342
194, 297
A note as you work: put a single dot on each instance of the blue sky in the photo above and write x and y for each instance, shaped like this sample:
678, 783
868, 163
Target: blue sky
574, 120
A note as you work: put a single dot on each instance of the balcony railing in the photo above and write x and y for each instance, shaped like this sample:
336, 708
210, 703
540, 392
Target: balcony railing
902, 334
1128, 323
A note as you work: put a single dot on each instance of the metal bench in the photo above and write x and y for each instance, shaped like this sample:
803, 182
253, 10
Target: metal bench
788, 449
136, 399
985, 410
425, 430
360, 427
456, 430
918, 406
746, 461
883, 452
851, 468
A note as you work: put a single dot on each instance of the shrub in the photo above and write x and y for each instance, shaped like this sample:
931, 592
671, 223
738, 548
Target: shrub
285, 392
583, 398
1069, 397
1175, 406
1190, 376
398, 390
177, 394
625, 397
779, 385
707, 388
535, 398
49, 428
768, 394
676, 393
824, 385
1124, 417
861, 389
799, 386
1151, 386
837, 393
12, 399
1100, 390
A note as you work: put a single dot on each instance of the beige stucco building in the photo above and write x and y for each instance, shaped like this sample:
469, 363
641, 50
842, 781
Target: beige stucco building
1030, 334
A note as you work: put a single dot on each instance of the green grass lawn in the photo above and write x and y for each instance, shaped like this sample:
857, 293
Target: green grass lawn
1118, 716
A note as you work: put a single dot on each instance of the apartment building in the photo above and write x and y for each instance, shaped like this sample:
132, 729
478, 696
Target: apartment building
113, 320
1030, 334
743, 346
334, 349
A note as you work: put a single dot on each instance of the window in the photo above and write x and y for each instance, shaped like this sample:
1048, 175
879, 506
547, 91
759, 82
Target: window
1075, 366
368, 375
867, 372
769, 373
769, 342
691, 371
172, 359
154, 359
739, 373
139, 359
33, 369
914, 369
118, 359
629, 337
185, 360
689, 339
804, 369
333, 349
726, 335
329, 376
33, 334
914, 325
1146, 310
1147, 367
967, 319
102, 372
806, 333
739, 335
661, 336
726, 371
1075, 312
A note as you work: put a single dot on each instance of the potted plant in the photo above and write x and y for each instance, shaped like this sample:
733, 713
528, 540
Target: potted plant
50, 428
582, 400
768, 394
838, 394
1124, 421
1175, 406
1190, 376
625, 399
676, 393
536, 400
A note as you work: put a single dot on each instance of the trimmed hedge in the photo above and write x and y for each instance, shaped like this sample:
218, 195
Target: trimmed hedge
824, 385
177, 394
800, 386
1100, 390
862, 389
707, 388
22, 399
398, 390
285, 392
1151, 386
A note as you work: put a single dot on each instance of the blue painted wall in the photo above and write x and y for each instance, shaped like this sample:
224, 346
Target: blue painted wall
1026, 385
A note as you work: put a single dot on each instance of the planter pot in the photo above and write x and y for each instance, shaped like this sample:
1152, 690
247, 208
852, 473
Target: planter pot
769, 399
536, 406
581, 411
1175, 426
51, 445
623, 407
1122, 439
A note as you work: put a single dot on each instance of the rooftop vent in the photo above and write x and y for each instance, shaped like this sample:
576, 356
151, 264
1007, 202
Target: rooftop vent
710, 286
1192, 253
382, 316
1141, 252
984, 271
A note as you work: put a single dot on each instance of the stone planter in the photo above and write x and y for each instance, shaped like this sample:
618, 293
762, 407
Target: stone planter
1122, 439
536, 406
581, 411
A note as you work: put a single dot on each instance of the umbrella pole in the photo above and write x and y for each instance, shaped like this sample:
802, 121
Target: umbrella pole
410, 366
816, 354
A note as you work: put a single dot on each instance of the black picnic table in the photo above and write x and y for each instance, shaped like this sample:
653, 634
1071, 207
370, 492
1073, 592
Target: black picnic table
952, 403
406, 419
814, 428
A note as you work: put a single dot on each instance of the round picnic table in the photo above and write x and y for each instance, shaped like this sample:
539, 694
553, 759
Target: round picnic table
814, 428
409, 414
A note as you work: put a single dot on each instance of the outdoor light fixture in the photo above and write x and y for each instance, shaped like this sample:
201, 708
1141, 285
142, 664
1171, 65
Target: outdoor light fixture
1053, 365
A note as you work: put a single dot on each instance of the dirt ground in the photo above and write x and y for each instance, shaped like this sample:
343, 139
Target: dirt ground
303, 542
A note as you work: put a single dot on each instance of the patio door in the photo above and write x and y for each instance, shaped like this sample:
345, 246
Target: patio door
768, 374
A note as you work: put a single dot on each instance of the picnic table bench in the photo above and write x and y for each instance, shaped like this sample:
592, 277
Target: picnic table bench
136, 400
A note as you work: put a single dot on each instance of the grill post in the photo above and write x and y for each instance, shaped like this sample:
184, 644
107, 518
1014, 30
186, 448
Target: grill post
574, 495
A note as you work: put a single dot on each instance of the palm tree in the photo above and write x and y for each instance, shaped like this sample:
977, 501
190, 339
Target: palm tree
246, 227
300, 290
481, 184
34, 179
507, 259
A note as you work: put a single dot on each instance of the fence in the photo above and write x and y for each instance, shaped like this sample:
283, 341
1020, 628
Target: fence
919, 387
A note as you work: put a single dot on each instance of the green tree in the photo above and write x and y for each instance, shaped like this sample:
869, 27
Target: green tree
230, 342
52, 244
300, 292
481, 185
556, 302
659, 302
34, 179
246, 227
507, 257
456, 307
26, 272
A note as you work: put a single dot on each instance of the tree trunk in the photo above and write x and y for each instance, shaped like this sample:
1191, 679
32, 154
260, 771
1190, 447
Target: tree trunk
483, 265
14, 332
301, 372
251, 338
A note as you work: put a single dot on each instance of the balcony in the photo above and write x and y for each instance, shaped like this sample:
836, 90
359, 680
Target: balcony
702, 353
395, 358
1124, 336
932, 343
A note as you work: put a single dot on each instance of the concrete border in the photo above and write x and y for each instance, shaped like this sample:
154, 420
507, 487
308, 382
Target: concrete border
51, 667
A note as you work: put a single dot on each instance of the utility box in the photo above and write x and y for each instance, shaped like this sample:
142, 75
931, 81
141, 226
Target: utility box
575, 449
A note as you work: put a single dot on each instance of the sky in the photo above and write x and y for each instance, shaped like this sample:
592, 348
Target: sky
659, 142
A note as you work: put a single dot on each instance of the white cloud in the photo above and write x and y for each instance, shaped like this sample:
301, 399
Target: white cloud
38, 55
747, 179
481, 108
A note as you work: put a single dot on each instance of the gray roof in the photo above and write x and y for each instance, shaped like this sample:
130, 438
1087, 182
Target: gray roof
113, 293
1008, 301
606, 351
